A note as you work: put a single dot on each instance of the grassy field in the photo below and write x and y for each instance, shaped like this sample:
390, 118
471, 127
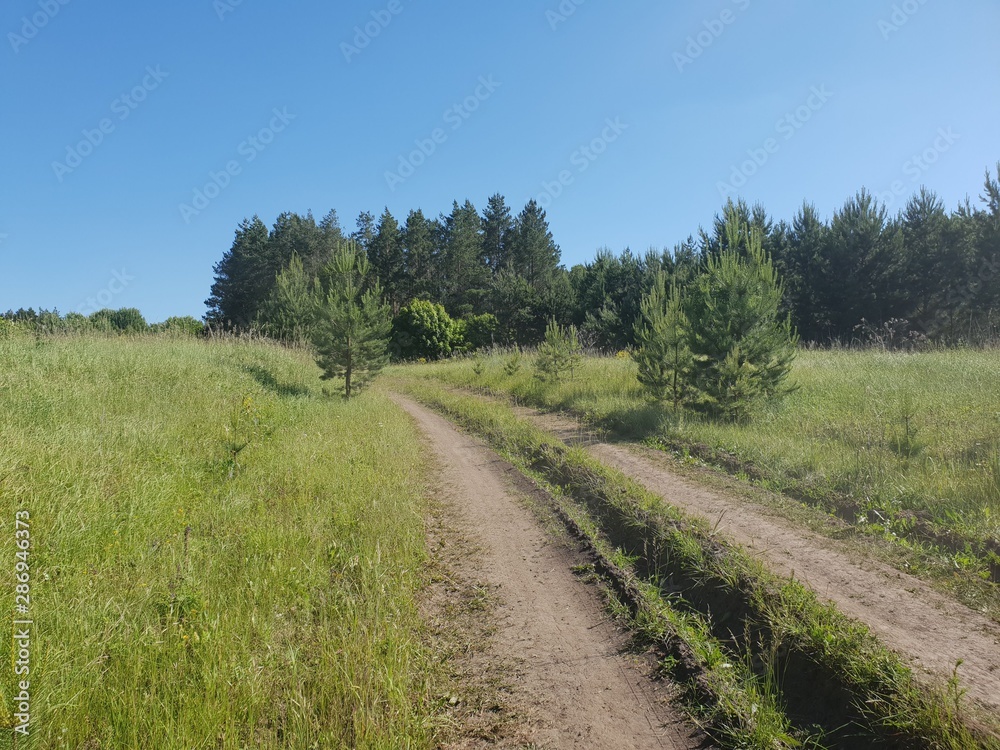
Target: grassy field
907, 446
220, 555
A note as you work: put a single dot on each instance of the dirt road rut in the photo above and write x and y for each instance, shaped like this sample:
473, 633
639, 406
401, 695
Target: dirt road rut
584, 692
931, 631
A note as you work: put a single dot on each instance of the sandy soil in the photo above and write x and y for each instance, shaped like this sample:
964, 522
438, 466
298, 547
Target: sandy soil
582, 689
931, 631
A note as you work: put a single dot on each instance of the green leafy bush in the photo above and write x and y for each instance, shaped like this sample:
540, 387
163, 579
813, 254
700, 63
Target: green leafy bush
124, 320
8, 329
422, 329
186, 326
480, 330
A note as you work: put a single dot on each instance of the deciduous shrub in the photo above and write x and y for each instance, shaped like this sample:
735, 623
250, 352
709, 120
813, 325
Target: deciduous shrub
124, 320
186, 326
480, 331
422, 329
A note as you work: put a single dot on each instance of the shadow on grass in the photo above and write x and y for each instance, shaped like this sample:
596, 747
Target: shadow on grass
636, 422
266, 378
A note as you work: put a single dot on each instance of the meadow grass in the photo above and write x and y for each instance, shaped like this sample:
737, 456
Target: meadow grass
221, 555
907, 445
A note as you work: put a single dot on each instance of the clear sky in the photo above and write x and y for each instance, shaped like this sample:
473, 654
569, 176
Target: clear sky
630, 121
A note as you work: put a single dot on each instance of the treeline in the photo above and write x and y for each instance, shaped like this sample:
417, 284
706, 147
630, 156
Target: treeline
925, 273
496, 263
126, 320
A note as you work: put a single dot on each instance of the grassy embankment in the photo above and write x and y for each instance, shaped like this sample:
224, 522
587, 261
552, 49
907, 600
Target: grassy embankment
906, 447
221, 556
765, 664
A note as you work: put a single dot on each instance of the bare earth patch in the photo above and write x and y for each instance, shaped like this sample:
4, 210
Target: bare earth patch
568, 682
479, 705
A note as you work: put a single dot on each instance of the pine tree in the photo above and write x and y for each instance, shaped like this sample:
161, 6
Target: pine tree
352, 322
804, 265
555, 297
289, 311
862, 254
331, 237
662, 352
514, 301
609, 292
534, 254
742, 350
385, 254
559, 352
466, 276
986, 282
243, 277
927, 265
718, 241
364, 232
295, 235
420, 258
498, 228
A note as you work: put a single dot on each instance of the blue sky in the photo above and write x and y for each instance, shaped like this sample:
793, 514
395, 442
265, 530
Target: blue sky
631, 121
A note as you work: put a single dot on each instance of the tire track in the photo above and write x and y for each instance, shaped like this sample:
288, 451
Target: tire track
929, 630
584, 692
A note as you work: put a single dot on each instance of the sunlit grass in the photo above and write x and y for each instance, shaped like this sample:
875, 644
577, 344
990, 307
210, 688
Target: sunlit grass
907, 439
222, 557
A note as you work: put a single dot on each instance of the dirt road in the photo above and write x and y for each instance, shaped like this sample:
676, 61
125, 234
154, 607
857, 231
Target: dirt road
584, 692
931, 631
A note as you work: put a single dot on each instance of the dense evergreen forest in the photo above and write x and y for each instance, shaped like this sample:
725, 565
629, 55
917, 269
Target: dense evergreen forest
863, 274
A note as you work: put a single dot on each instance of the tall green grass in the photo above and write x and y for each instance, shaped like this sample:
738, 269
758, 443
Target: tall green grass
909, 444
222, 557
